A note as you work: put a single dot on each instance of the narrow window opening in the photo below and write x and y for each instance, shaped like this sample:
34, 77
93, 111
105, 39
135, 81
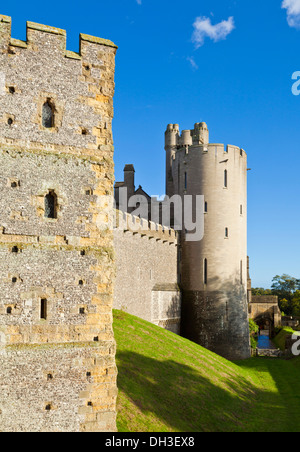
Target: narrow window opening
226, 233
51, 205
48, 407
96, 339
82, 253
81, 311
15, 249
90, 403
80, 282
10, 121
14, 279
225, 179
44, 309
12, 90
88, 374
241, 272
9, 310
205, 207
49, 377
205, 272
48, 115
241, 209
185, 181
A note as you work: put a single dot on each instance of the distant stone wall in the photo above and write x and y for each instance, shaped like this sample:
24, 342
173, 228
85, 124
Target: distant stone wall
265, 307
146, 272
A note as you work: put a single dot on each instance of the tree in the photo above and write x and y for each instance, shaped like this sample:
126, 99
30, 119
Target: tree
285, 284
261, 291
285, 287
296, 304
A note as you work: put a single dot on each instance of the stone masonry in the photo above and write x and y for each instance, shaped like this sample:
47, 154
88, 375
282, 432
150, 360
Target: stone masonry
57, 348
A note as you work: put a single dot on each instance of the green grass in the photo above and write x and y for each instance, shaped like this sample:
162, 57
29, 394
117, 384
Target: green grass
169, 384
279, 340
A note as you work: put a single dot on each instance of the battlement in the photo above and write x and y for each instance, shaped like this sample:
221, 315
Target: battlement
34, 31
130, 223
73, 90
217, 150
196, 136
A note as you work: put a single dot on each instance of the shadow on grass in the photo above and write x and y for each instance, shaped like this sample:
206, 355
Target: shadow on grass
283, 375
179, 398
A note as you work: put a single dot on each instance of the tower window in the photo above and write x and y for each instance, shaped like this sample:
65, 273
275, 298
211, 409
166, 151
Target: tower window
44, 309
185, 181
205, 207
241, 272
226, 233
205, 272
225, 179
51, 205
48, 115
241, 209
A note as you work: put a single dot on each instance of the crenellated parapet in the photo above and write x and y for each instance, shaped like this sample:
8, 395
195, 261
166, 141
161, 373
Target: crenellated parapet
144, 228
79, 88
59, 38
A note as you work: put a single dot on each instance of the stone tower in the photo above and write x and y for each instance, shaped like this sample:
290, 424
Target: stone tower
57, 348
214, 269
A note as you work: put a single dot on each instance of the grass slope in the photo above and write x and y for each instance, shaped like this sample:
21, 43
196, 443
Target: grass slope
280, 339
169, 384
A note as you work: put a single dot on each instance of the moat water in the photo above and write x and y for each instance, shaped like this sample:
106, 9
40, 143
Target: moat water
264, 342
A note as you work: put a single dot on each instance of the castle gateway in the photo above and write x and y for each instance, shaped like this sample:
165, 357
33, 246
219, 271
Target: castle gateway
57, 349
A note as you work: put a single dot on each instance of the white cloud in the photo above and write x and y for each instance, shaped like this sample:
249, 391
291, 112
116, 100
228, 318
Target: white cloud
193, 63
293, 12
203, 28
139, 2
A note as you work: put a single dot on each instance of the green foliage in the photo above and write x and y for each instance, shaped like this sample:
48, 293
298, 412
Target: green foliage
287, 288
254, 328
261, 291
279, 339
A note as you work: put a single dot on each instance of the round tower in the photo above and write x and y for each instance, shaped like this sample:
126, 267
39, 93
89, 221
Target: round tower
214, 269
171, 144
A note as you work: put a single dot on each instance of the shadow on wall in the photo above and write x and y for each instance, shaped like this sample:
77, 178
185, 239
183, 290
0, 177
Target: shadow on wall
218, 319
174, 308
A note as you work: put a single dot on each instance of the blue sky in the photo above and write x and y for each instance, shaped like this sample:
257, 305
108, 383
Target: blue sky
228, 63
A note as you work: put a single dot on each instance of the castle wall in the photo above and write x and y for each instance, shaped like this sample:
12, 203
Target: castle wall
265, 307
214, 270
57, 348
146, 272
